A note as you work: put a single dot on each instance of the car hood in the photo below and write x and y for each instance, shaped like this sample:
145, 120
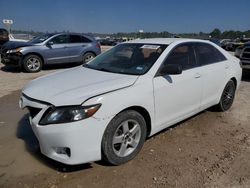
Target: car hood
74, 86
16, 44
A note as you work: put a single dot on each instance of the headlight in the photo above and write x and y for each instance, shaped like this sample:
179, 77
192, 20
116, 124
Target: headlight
68, 114
14, 51
237, 52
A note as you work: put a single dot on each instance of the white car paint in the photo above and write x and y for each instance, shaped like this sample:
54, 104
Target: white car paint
167, 99
80, 85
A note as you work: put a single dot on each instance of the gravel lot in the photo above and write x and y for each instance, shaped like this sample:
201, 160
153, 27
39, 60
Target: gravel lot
208, 150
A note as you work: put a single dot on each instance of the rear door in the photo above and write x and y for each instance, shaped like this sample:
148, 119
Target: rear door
77, 47
178, 96
214, 67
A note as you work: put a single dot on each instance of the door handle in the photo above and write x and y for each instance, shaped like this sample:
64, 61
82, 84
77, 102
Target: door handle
65, 47
226, 66
197, 75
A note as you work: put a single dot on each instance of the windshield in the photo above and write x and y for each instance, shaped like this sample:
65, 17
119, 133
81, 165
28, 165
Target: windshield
40, 39
128, 58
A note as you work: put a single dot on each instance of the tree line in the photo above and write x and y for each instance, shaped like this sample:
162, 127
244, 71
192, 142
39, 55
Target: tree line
216, 33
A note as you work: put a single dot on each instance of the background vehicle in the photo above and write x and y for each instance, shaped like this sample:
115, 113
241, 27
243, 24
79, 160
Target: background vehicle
215, 41
50, 49
234, 44
224, 42
4, 36
243, 52
109, 42
108, 107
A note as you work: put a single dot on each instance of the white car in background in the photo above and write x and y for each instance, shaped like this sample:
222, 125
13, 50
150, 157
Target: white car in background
106, 108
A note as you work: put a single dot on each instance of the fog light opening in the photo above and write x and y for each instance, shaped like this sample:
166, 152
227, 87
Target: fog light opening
63, 151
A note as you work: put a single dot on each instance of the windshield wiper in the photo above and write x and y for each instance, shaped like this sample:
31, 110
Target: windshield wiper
103, 69
85, 65
100, 69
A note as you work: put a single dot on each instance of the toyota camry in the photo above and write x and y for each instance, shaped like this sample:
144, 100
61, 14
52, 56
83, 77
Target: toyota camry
106, 108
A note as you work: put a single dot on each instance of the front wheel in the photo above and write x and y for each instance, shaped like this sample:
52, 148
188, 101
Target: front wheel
32, 63
87, 57
123, 137
227, 97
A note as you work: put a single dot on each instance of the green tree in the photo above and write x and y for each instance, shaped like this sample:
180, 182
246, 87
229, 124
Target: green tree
216, 33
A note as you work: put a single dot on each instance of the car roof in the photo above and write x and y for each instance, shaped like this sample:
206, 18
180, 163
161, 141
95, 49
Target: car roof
166, 41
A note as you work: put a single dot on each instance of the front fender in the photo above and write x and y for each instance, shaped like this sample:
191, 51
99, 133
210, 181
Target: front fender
140, 94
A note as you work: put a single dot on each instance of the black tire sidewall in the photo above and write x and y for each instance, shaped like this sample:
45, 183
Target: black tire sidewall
25, 63
107, 150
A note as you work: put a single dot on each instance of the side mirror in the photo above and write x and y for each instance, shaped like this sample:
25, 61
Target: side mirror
171, 69
49, 43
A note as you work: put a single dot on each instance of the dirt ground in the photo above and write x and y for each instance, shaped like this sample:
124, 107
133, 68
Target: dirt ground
210, 149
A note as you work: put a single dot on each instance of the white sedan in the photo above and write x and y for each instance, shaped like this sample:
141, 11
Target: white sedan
106, 108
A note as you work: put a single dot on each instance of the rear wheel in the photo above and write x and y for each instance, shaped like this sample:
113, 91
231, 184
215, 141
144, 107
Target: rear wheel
227, 97
32, 63
87, 57
123, 137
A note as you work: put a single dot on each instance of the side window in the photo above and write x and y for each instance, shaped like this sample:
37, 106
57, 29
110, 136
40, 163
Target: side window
61, 39
75, 39
182, 55
85, 39
207, 54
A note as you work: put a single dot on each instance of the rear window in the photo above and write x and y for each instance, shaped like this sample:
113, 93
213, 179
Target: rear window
207, 54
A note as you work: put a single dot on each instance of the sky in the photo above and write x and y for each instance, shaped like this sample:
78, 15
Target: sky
111, 16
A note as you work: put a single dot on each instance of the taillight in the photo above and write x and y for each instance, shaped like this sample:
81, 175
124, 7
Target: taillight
98, 45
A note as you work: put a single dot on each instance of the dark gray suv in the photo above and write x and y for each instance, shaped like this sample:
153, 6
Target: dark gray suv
50, 49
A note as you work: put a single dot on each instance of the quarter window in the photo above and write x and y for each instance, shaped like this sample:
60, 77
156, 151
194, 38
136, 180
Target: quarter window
84, 39
207, 54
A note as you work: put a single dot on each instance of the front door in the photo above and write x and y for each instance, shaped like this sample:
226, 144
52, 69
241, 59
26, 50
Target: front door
56, 50
178, 96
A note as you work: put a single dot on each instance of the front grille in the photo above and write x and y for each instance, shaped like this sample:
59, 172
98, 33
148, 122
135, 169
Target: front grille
245, 56
3, 53
247, 50
33, 111
246, 53
245, 63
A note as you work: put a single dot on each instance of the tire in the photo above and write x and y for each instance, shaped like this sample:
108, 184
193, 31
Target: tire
227, 97
87, 57
123, 137
32, 63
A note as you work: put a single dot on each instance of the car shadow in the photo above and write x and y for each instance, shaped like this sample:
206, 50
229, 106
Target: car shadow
16, 69
11, 68
178, 124
24, 132
246, 75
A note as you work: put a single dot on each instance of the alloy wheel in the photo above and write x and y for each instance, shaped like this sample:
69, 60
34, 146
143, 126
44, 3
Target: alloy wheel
126, 138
